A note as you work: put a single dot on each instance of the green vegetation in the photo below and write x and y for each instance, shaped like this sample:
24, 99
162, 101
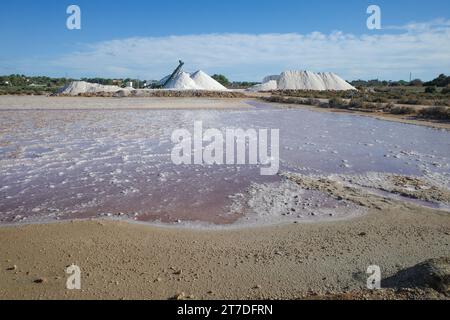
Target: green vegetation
441, 81
397, 95
437, 113
430, 90
221, 79
242, 85
357, 104
337, 103
21, 84
401, 110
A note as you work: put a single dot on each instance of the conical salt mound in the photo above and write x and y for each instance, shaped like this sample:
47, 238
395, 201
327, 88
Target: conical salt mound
333, 82
304, 80
206, 82
182, 82
300, 80
307, 80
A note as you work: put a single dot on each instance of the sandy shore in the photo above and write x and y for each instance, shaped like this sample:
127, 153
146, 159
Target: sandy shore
120, 260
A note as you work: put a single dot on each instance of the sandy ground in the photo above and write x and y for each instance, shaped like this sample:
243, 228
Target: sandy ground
119, 260
82, 103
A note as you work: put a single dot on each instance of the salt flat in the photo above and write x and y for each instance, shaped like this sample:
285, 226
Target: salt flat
342, 202
64, 158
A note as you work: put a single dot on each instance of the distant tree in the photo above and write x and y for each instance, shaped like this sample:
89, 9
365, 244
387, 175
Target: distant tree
221, 79
441, 81
416, 83
242, 85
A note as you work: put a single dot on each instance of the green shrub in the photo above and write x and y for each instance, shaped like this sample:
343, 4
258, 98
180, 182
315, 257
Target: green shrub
337, 103
356, 104
438, 113
389, 107
412, 101
444, 103
402, 110
312, 102
430, 90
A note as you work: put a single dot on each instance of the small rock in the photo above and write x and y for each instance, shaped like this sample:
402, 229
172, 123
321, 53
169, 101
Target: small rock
14, 267
362, 234
40, 280
179, 296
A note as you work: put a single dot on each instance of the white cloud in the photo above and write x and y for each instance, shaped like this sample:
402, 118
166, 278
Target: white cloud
421, 48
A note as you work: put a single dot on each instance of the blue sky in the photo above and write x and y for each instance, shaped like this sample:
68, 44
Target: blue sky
244, 40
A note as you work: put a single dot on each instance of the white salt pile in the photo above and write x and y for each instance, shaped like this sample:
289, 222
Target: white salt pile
182, 81
205, 81
304, 80
77, 87
199, 80
265, 86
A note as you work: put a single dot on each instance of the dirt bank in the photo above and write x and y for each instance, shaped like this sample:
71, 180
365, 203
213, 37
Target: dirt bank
123, 261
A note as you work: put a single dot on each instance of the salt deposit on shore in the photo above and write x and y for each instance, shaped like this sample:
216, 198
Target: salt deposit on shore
265, 86
206, 82
198, 80
182, 82
79, 87
303, 80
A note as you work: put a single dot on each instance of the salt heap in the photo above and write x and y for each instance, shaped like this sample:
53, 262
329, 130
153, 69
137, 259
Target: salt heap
76, 87
304, 80
265, 86
199, 80
205, 81
182, 81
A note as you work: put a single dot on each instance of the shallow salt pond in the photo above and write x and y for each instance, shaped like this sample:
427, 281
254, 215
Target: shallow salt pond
63, 164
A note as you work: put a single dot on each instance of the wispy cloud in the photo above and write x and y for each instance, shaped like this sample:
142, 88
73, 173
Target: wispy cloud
421, 48
433, 25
